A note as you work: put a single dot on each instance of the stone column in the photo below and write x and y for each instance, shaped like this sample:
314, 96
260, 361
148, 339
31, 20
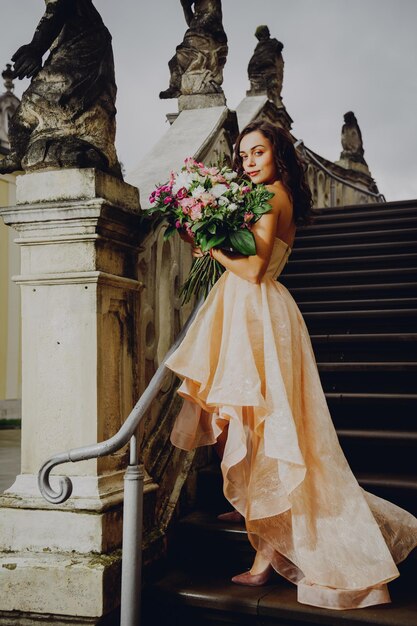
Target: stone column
78, 233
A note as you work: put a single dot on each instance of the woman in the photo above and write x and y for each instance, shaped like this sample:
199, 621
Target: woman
251, 386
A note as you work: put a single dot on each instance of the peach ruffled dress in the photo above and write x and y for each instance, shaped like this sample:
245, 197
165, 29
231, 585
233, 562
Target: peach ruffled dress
247, 362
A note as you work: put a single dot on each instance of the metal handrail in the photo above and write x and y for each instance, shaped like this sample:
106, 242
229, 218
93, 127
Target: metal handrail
300, 144
133, 484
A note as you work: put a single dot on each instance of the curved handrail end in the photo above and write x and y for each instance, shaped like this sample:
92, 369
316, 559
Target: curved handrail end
65, 483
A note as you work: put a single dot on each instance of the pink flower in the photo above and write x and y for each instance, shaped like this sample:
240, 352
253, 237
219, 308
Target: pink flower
181, 193
220, 179
209, 171
190, 163
195, 211
177, 224
189, 231
186, 204
247, 216
207, 198
167, 200
245, 189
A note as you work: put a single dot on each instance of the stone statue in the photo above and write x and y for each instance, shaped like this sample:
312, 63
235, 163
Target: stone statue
352, 139
8, 105
67, 115
197, 66
266, 67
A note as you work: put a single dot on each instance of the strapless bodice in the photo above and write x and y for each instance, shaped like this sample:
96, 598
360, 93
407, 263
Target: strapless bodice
279, 257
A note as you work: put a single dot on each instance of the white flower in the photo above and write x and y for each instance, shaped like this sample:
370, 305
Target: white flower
230, 175
232, 207
218, 190
197, 178
234, 187
198, 191
183, 179
223, 201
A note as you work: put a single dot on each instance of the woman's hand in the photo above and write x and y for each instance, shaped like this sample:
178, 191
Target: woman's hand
197, 252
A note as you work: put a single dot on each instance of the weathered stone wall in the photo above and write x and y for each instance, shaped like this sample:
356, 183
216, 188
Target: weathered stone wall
329, 192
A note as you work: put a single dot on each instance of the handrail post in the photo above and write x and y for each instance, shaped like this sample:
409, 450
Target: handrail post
132, 540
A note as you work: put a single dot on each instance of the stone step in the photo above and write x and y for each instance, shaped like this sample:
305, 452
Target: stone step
379, 449
317, 237
365, 321
370, 209
378, 261
351, 249
383, 411
392, 377
201, 531
363, 213
208, 598
364, 366
401, 490
348, 277
341, 347
358, 304
339, 292
367, 224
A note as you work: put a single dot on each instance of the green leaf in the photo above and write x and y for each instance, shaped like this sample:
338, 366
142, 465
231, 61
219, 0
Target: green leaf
212, 227
169, 232
244, 242
215, 241
196, 226
202, 240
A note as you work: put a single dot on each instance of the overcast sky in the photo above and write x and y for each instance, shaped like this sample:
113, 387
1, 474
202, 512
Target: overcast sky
340, 55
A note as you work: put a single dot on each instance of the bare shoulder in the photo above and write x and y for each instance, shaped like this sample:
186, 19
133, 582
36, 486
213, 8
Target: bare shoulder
281, 198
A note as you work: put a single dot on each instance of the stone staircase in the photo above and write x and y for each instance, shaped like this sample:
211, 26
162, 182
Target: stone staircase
353, 274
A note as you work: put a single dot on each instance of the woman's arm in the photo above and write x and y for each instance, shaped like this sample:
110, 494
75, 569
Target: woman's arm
253, 268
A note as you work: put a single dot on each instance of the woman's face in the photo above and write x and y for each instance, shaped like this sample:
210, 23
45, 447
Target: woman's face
257, 156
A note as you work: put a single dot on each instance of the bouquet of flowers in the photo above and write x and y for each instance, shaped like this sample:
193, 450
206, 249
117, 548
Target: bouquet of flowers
215, 210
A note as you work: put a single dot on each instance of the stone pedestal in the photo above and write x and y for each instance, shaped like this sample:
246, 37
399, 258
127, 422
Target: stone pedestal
78, 232
349, 164
201, 101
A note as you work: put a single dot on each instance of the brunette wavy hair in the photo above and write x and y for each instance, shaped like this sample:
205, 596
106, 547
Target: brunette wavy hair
290, 168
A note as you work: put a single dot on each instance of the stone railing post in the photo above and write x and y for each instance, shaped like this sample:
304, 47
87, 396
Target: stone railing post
78, 232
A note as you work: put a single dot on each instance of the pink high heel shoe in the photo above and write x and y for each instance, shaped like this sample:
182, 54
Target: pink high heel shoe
231, 516
254, 580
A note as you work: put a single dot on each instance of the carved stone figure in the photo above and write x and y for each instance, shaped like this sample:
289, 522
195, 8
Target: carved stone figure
266, 67
8, 105
352, 139
197, 66
67, 115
